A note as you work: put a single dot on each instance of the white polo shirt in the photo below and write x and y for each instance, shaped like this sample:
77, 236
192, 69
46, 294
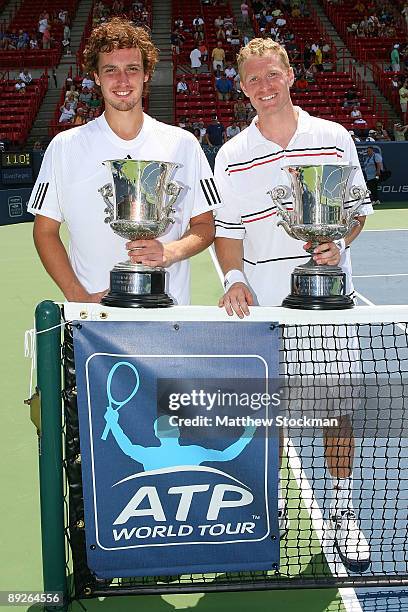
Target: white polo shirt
246, 168
72, 172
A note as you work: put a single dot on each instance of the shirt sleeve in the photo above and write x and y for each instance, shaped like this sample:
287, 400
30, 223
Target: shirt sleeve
228, 223
351, 156
206, 195
45, 199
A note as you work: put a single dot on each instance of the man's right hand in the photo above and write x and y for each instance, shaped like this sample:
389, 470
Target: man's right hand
237, 299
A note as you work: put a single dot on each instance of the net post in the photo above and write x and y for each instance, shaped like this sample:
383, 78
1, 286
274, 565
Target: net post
48, 316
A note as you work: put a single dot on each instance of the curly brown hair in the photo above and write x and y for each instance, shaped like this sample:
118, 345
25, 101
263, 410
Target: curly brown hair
119, 33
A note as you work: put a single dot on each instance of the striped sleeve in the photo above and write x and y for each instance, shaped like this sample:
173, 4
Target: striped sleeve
228, 222
206, 194
44, 198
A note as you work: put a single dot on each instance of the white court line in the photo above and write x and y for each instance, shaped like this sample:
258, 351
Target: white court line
389, 229
379, 275
348, 595
370, 303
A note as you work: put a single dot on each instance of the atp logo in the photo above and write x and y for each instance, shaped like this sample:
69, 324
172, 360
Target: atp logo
174, 494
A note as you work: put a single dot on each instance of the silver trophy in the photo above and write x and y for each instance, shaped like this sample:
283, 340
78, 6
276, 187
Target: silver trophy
324, 209
139, 203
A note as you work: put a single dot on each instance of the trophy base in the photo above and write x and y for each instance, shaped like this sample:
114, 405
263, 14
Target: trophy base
137, 287
338, 302
318, 288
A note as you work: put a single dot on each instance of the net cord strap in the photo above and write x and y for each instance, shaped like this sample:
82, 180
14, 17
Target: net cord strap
30, 349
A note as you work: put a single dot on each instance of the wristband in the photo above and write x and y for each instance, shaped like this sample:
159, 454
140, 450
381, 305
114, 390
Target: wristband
341, 245
233, 276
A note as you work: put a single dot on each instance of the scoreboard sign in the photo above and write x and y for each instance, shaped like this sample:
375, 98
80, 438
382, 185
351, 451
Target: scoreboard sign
16, 168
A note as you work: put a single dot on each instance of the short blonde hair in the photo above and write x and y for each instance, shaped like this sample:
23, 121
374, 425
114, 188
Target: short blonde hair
260, 47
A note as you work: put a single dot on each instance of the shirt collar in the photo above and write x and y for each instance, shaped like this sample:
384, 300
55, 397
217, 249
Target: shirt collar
303, 127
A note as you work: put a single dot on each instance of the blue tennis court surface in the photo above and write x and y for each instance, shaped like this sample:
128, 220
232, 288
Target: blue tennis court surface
380, 266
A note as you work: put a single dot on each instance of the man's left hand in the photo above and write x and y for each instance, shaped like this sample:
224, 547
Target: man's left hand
327, 253
150, 253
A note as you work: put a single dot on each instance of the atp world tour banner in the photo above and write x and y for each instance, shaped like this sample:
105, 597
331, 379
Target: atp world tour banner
170, 490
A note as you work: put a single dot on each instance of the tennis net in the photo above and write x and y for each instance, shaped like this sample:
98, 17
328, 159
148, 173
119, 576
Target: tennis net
350, 366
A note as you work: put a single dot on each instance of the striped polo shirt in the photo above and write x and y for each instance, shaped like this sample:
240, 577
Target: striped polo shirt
246, 168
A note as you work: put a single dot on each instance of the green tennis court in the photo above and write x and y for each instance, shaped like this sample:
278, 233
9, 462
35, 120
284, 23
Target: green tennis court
24, 285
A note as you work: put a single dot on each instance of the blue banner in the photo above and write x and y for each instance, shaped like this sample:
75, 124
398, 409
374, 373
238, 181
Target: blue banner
13, 206
162, 495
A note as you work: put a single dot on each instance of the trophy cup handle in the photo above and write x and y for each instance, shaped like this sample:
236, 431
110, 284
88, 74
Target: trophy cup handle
358, 193
278, 195
172, 189
107, 192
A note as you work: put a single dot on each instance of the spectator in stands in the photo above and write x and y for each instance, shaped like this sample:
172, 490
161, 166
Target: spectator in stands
373, 165
355, 113
404, 13
46, 38
182, 86
215, 135
232, 130
307, 55
195, 59
63, 16
380, 133
72, 91
244, 13
43, 22
33, 44
235, 37
202, 47
23, 40
117, 7
353, 135
197, 134
224, 88
220, 34
403, 96
240, 111
237, 91
195, 87
85, 95
395, 58
218, 22
218, 56
88, 82
38, 146
230, 71
67, 113
81, 116
182, 122
188, 125
228, 20
25, 77
301, 84
91, 115
351, 98
199, 34
399, 132
71, 101
310, 74
200, 126
318, 59
95, 102
198, 21
177, 39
